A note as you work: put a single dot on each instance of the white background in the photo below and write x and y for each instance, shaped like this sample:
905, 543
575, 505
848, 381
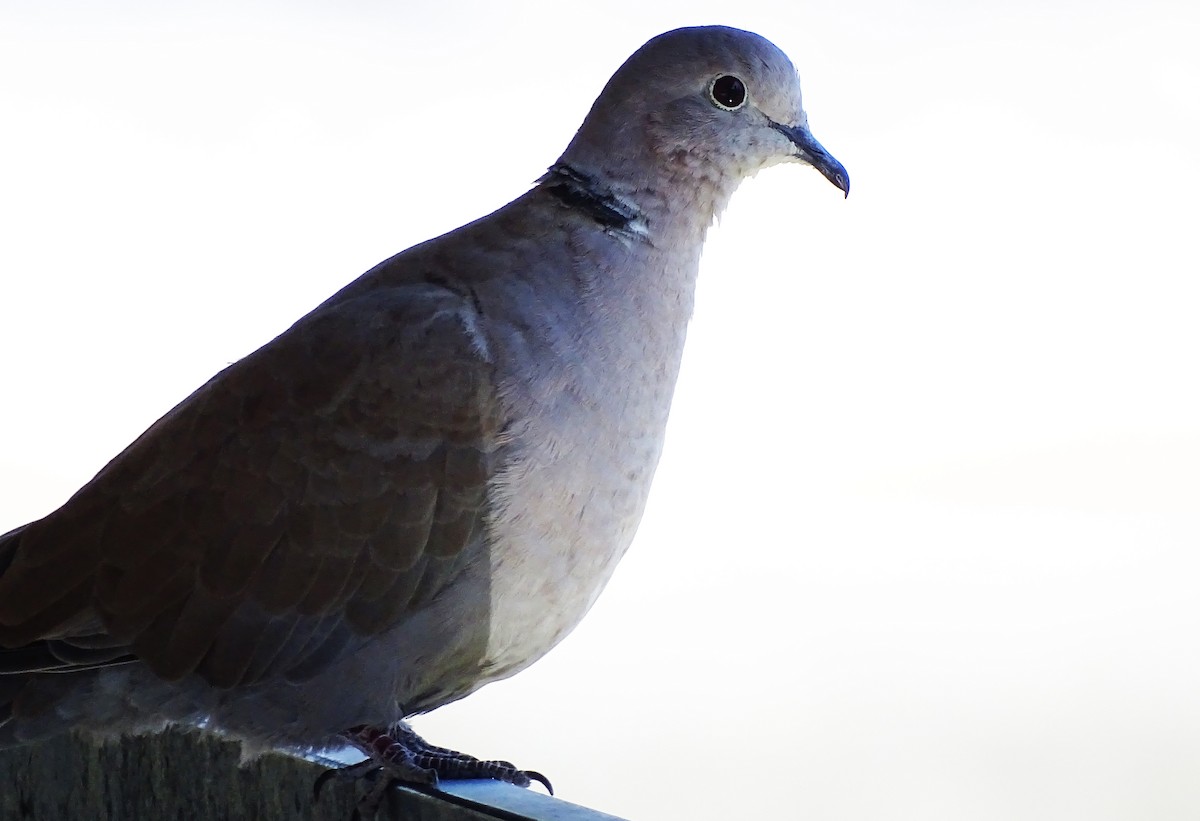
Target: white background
925, 541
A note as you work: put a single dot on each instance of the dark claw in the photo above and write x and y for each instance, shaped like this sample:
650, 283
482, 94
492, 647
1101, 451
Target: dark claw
534, 775
320, 782
402, 756
368, 770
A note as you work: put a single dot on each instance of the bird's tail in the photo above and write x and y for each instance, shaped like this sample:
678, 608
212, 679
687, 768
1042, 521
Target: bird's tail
8, 547
35, 675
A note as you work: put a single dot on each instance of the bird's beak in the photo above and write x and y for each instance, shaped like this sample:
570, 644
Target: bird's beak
813, 153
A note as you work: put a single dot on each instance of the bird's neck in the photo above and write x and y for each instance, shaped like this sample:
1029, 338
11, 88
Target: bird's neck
633, 282
673, 203
578, 190
653, 226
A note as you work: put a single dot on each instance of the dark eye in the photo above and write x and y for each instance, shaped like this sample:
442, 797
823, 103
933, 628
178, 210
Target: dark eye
728, 91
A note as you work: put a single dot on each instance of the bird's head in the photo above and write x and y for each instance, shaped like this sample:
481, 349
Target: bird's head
712, 102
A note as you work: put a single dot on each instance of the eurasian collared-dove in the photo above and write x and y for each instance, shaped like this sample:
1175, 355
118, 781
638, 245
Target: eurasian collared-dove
422, 485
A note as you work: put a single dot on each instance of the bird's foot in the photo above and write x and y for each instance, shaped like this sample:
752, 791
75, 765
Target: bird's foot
399, 755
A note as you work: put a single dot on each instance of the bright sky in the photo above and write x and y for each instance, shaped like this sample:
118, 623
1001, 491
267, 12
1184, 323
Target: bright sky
926, 538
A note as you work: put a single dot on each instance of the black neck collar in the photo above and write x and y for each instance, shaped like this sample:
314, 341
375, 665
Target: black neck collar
577, 190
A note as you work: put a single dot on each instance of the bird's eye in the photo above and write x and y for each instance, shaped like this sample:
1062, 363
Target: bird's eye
728, 92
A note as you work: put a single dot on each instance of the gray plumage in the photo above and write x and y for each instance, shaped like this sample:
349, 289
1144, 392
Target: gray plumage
423, 484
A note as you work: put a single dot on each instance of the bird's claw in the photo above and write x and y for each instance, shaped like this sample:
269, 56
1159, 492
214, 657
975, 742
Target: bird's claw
402, 756
534, 775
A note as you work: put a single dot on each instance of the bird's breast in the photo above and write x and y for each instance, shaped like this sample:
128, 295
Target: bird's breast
566, 504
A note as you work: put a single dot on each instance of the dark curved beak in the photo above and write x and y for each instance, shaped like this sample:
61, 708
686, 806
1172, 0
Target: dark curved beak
813, 153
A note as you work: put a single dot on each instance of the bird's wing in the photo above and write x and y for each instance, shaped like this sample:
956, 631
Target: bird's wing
318, 491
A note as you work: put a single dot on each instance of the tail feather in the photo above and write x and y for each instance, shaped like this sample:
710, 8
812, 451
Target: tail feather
8, 547
90, 649
60, 656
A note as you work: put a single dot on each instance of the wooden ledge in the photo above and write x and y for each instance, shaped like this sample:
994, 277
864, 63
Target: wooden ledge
188, 774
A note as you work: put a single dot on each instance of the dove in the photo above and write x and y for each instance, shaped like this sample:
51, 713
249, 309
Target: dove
422, 485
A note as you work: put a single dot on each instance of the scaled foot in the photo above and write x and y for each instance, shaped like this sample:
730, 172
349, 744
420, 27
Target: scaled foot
398, 754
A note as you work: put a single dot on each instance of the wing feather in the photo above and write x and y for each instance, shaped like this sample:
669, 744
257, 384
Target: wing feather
321, 490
